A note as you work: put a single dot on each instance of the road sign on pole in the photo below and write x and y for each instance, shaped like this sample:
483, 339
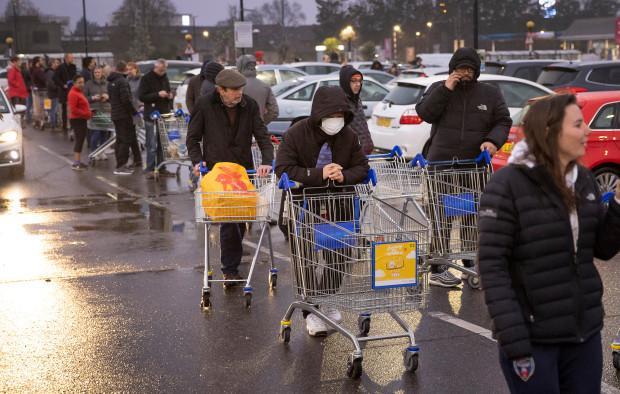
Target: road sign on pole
243, 35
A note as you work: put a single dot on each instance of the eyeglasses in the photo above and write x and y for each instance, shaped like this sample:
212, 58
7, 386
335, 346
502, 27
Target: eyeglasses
356, 82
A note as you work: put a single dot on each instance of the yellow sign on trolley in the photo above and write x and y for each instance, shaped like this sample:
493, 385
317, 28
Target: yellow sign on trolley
394, 264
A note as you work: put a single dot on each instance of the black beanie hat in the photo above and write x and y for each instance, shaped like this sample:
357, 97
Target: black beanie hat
212, 70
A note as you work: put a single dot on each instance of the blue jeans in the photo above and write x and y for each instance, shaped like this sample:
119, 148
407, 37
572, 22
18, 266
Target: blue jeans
154, 154
29, 107
97, 137
563, 368
54, 112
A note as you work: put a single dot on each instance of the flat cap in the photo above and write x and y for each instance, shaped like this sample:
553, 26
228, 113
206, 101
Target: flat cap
231, 79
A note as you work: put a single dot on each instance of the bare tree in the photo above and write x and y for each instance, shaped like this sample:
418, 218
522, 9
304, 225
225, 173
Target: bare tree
22, 8
283, 12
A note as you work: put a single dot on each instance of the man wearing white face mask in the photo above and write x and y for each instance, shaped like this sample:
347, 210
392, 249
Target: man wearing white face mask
316, 150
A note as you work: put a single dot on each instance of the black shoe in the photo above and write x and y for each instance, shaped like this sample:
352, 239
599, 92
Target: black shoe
444, 279
123, 171
235, 279
167, 174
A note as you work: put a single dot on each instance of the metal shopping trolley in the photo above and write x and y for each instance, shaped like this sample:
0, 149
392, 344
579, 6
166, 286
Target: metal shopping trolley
101, 121
245, 207
397, 178
172, 131
453, 191
353, 251
257, 160
39, 114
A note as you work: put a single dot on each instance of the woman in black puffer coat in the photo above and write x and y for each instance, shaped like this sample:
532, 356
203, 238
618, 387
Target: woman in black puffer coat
542, 224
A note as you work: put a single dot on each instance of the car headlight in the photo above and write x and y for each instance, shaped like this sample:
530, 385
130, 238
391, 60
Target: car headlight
8, 136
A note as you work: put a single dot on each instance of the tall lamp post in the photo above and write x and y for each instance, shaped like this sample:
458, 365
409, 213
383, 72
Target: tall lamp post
348, 34
529, 37
396, 30
85, 28
9, 42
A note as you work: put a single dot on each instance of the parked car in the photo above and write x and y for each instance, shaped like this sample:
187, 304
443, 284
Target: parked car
176, 70
601, 110
396, 122
295, 98
408, 75
581, 76
316, 68
271, 74
11, 138
4, 82
526, 69
380, 76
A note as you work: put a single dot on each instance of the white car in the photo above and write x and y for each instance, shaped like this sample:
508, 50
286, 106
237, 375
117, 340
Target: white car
316, 68
4, 82
396, 122
271, 74
11, 138
295, 98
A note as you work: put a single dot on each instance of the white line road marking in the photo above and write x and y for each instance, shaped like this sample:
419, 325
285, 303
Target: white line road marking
56, 155
127, 191
265, 250
483, 332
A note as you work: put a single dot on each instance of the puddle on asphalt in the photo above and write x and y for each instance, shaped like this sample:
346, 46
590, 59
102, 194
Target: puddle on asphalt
116, 212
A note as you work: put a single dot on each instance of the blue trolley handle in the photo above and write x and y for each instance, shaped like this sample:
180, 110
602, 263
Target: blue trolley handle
606, 198
395, 152
483, 158
286, 183
204, 170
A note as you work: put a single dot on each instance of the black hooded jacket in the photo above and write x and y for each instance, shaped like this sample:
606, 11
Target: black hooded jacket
299, 151
148, 92
120, 97
358, 124
475, 112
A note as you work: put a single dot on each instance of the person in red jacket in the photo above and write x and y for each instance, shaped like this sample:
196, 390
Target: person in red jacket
79, 113
17, 91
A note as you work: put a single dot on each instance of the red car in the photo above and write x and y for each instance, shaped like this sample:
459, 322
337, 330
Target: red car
601, 110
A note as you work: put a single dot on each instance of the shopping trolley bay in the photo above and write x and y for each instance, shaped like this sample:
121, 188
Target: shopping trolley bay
102, 278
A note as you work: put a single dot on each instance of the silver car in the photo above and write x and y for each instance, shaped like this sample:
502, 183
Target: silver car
316, 68
295, 98
11, 138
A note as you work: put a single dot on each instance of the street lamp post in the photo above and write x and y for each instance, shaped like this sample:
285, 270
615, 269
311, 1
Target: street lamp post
85, 27
13, 3
348, 34
475, 17
396, 30
529, 37
9, 42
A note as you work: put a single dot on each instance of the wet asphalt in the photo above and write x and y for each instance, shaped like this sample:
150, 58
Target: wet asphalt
100, 284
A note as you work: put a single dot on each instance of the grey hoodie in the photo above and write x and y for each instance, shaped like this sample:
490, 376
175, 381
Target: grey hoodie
257, 89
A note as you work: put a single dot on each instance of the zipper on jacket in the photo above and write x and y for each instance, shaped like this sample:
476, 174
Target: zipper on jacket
577, 281
463, 118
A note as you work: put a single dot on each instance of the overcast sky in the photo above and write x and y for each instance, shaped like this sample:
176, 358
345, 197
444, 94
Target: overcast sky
207, 12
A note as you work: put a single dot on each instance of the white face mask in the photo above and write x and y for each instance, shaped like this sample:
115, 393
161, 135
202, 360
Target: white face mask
332, 126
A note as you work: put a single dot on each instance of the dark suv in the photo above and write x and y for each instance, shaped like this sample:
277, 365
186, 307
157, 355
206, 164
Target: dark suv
576, 77
525, 69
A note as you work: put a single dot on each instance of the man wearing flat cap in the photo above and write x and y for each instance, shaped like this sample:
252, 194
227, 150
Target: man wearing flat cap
225, 122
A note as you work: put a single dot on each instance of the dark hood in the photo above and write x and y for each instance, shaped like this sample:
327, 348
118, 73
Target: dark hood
203, 69
327, 101
466, 57
114, 76
246, 65
346, 72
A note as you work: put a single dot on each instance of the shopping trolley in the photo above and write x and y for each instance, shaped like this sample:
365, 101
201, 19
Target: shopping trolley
398, 178
453, 191
257, 160
39, 114
101, 121
255, 210
172, 131
353, 251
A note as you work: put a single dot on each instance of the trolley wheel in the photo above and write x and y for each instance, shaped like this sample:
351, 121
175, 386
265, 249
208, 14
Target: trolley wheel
205, 303
248, 300
285, 334
411, 361
473, 281
273, 280
354, 367
616, 359
363, 322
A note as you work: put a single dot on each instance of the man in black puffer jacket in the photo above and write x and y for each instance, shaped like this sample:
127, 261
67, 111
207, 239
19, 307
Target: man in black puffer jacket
467, 117
122, 115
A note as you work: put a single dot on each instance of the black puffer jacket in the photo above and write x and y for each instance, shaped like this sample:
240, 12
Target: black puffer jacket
120, 97
538, 289
148, 92
463, 119
358, 124
63, 74
299, 151
221, 142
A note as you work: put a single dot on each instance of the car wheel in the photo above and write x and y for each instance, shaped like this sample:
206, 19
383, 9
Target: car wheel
607, 177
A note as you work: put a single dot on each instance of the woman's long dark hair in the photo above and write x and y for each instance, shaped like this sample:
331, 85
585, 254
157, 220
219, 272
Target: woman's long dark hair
542, 126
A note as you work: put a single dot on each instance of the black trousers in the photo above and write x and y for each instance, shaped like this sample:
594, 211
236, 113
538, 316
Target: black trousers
64, 114
125, 137
566, 368
231, 246
80, 130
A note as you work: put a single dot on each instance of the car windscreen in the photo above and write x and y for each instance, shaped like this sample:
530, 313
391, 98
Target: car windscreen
4, 105
286, 86
554, 76
405, 94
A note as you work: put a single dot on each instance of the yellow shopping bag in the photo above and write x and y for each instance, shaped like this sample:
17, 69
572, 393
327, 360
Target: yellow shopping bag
47, 104
228, 194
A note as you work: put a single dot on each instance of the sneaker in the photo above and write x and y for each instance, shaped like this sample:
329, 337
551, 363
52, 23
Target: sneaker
137, 165
333, 314
77, 166
315, 326
444, 279
149, 175
83, 166
234, 277
123, 171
